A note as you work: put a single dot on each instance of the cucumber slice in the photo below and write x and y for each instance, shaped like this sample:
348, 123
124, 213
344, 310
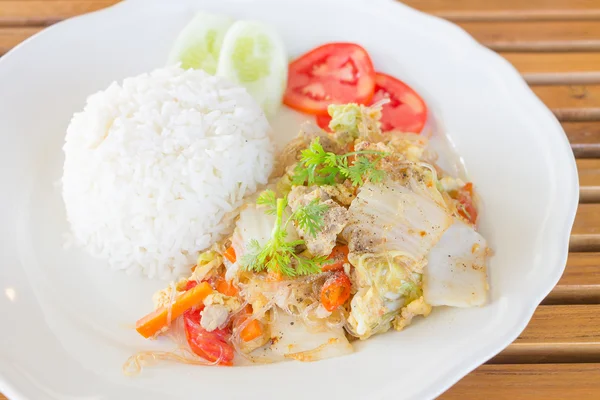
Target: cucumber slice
253, 56
199, 43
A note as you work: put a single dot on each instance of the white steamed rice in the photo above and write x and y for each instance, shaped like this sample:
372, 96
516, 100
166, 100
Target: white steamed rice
155, 167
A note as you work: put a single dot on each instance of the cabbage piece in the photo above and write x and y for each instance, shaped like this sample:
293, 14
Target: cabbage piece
390, 233
388, 274
423, 181
388, 217
455, 274
354, 119
385, 284
293, 339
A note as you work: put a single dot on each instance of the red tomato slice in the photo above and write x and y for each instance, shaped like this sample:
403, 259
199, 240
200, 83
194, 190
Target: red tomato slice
337, 258
323, 122
335, 290
406, 110
465, 199
211, 346
190, 285
335, 73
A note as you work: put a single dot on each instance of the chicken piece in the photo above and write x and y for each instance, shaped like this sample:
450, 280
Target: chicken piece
302, 195
394, 164
329, 143
217, 308
410, 145
214, 316
334, 219
414, 308
343, 193
291, 153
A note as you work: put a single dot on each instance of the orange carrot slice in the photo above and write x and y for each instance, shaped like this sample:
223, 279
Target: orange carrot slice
337, 258
230, 254
152, 323
251, 331
224, 287
274, 276
254, 328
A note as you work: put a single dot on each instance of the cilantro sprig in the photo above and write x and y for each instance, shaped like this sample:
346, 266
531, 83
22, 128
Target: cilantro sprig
279, 253
310, 217
319, 167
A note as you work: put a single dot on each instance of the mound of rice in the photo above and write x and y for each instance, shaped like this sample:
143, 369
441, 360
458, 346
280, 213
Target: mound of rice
156, 167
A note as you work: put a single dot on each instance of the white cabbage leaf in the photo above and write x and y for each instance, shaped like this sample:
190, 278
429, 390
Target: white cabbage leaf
389, 217
455, 274
294, 340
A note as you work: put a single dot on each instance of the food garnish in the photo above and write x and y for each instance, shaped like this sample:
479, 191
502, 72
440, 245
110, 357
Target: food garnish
406, 111
279, 254
248, 53
319, 167
253, 55
199, 44
334, 73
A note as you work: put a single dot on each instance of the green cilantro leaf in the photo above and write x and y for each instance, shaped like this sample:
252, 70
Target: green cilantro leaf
310, 217
279, 254
318, 167
268, 199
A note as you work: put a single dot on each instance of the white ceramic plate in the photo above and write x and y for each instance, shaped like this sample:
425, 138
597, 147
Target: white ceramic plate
67, 325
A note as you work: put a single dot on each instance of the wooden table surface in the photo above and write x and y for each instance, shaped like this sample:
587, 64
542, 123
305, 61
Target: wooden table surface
555, 44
